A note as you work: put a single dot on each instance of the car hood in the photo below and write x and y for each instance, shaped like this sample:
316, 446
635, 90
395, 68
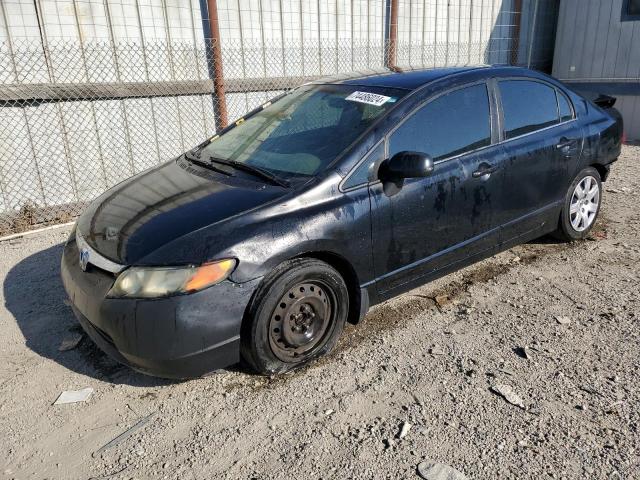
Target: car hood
156, 207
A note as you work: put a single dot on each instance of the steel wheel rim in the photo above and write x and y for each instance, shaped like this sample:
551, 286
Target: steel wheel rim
584, 204
301, 321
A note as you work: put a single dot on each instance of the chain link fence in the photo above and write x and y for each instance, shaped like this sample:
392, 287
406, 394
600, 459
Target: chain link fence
76, 118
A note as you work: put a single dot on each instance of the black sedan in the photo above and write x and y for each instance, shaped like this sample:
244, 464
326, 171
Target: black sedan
264, 240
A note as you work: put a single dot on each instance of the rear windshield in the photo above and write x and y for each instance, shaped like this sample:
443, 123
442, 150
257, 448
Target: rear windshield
304, 131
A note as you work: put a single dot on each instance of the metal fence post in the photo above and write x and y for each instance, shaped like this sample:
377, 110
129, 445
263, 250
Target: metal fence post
532, 33
391, 33
515, 41
220, 104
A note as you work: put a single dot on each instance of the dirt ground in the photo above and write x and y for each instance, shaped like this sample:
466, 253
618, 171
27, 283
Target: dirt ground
575, 307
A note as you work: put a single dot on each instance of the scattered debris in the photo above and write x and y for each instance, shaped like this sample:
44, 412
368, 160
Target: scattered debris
74, 396
404, 430
508, 394
126, 434
618, 190
442, 300
612, 407
598, 235
111, 475
70, 342
563, 320
523, 352
436, 350
439, 471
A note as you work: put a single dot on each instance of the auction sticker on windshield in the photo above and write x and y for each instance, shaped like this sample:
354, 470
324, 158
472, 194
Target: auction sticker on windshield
369, 98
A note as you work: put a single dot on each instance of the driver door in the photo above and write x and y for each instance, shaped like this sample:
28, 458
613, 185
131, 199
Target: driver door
445, 219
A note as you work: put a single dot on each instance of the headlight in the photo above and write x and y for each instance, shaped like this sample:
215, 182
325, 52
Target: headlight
149, 282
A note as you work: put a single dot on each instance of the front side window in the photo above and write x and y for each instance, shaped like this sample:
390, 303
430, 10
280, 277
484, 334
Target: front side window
303, 132
527, 106
452, 124
362, 173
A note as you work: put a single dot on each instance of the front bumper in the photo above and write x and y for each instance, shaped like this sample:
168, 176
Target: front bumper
183, 336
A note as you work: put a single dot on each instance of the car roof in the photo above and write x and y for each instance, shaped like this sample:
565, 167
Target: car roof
414, 79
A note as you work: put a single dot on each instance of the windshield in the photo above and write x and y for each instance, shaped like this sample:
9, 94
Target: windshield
304, 131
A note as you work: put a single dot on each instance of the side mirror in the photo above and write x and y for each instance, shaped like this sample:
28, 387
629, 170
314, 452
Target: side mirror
406, 165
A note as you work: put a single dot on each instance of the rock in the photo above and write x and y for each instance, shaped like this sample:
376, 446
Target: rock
70, 342
563, 320
404, 430
442, 300
439, 471
508, 394
436, 350
328, 412
523, 352
74, 396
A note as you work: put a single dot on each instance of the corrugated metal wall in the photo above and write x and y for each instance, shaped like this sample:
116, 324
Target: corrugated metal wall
596, 51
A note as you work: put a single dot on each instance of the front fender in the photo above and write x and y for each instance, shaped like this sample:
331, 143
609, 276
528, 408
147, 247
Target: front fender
321, 220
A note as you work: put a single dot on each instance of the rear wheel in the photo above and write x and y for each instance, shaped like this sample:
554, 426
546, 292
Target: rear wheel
581, 206
296, 315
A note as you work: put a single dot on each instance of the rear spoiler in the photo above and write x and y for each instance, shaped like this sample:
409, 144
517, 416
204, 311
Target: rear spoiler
604, 101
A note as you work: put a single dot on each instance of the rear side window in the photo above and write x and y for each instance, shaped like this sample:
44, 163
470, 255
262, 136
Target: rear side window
452, 124
566, 113
527, 106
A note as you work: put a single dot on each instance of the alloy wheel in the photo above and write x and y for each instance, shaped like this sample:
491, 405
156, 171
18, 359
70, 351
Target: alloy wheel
584, 204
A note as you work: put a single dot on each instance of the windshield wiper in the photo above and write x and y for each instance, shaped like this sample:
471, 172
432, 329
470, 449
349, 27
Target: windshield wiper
196, 160
257, 171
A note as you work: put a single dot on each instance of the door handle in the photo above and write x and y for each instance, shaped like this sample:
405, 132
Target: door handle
565, 143
484, 169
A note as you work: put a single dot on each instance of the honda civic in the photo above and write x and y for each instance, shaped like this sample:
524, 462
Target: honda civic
262, 242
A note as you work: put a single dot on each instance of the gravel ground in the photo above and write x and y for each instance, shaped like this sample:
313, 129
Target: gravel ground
557, 323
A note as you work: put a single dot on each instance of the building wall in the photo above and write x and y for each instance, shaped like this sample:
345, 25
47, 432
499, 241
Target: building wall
596, 52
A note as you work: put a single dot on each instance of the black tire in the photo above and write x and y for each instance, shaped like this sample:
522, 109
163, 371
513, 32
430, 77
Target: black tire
315, 301
566, 230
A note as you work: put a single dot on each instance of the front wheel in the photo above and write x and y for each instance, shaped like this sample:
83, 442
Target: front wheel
581, 206
296, 315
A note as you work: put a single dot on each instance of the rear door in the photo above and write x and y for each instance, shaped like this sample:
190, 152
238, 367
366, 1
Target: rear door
431, 223
541, 140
